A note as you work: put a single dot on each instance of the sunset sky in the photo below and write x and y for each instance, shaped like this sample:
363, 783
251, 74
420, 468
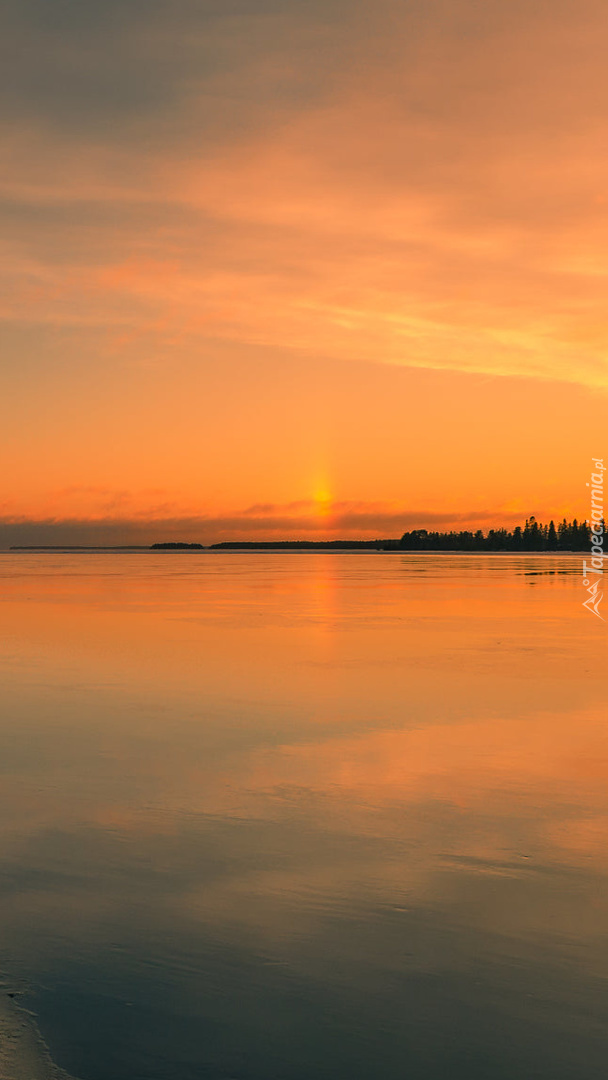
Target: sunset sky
278, 268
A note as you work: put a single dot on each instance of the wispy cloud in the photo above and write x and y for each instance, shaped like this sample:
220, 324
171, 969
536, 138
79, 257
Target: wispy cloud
273, 174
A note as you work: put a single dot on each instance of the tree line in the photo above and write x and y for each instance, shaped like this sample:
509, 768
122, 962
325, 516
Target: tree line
534, 536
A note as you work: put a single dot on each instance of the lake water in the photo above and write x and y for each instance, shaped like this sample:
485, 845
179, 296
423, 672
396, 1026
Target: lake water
291, 816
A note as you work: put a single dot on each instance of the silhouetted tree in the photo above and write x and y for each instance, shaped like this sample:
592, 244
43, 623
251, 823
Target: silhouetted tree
569, 536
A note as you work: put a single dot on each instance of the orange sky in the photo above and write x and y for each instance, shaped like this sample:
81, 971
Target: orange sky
277, 269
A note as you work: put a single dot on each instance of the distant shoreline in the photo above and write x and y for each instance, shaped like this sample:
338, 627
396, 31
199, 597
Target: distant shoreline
279, 546
534, 537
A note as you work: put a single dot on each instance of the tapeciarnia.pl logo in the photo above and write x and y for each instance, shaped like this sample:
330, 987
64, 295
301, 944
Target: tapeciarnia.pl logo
593, 572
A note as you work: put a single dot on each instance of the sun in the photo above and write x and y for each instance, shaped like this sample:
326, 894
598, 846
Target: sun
322, 500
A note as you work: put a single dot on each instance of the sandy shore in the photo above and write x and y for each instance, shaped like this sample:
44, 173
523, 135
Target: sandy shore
23, 1054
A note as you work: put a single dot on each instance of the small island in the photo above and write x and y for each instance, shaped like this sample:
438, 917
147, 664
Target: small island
171, 545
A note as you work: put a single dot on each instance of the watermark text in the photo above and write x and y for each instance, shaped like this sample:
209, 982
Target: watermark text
593, 571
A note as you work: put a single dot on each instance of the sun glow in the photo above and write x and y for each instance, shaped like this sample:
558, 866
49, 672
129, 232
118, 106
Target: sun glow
322, 500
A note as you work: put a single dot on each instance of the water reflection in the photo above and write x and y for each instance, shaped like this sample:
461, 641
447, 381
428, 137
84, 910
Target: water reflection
294, 815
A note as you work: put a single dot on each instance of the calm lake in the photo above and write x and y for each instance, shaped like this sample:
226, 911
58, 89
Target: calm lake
292, 816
